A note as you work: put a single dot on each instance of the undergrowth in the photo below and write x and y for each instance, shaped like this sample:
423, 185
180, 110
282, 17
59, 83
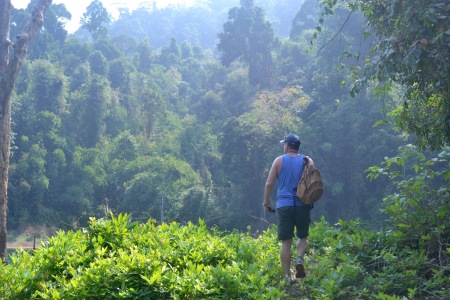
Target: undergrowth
120, 259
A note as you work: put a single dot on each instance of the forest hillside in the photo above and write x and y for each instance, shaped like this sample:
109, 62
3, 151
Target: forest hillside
166, 118
104, 121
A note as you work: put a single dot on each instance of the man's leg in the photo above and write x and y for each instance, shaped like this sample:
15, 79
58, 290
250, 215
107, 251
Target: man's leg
302, 244
285, 256
302, 221
301, 249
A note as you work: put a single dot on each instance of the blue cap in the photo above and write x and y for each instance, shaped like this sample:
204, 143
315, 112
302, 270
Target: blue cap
292, 140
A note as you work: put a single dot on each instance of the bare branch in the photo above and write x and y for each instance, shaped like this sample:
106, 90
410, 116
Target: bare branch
24, 38
5, 10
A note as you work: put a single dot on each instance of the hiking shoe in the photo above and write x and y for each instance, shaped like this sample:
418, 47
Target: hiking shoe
300, 268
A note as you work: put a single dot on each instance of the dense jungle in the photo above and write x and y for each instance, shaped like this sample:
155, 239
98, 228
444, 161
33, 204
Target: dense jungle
152, 134
167, 106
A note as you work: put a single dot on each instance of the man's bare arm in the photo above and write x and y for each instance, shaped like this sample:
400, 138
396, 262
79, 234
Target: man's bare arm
273, 173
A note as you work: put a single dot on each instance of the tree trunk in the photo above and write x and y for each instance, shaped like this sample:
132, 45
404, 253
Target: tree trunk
8, 74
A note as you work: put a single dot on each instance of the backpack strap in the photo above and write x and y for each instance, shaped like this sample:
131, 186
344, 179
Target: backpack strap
305, 161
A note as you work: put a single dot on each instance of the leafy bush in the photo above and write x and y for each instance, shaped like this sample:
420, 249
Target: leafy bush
116, 258
119, 259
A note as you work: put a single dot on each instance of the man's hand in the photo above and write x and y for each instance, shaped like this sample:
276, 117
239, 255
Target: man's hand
267, 206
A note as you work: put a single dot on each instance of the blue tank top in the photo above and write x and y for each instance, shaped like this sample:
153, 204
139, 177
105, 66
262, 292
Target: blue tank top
288, 178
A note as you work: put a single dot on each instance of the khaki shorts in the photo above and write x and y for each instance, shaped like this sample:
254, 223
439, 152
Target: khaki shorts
290, 217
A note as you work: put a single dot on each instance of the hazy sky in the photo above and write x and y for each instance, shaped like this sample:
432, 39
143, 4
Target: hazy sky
78, 7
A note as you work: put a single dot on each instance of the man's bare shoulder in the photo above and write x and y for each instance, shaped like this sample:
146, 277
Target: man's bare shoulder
278, 161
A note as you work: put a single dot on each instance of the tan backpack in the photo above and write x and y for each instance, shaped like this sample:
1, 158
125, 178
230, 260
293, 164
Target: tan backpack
310, 187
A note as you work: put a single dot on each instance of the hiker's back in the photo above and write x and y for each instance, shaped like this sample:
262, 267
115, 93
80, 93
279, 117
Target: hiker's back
288, 177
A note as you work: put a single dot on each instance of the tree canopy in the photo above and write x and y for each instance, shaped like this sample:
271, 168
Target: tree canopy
249, 36
95, 20
411, 48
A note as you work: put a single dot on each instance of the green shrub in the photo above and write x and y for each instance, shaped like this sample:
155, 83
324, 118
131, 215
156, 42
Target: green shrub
115, 258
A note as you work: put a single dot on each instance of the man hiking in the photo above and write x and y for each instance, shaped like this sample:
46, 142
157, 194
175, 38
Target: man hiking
291, 212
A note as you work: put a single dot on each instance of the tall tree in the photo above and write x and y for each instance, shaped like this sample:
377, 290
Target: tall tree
8, 74
249, 37
94, 20
89, 110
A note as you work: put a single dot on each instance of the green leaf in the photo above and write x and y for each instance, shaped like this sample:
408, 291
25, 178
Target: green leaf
442, 212
447, 175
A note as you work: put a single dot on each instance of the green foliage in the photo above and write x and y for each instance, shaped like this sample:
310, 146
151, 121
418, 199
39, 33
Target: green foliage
119, 73
98, 63
90, 110
153, 178
336, 138
245, 142
33, 183
47, 44
146, 104
291, 62
349, 262
95, 20
249, 37
119, 126
47, 85
170, 54
418, 211
412, 50
117, 258
122, 121
305, 19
